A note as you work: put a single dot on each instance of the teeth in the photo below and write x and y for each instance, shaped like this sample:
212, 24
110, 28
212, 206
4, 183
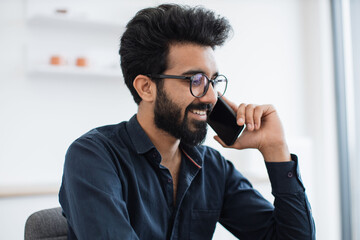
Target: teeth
199, 112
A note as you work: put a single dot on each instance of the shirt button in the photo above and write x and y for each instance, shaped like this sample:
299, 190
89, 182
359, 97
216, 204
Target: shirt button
169, 180
290, 174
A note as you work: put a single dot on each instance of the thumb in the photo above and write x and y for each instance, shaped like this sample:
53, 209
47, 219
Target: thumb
218, 139
242, 142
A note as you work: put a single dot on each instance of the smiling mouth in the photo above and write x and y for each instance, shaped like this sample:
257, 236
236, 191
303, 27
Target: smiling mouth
199, 112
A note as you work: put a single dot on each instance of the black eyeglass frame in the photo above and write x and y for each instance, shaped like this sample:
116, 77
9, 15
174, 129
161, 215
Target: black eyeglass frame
212, 81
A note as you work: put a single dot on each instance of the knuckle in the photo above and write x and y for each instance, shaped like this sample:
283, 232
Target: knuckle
270, 106
241, 109
250, 106
242, 106
258, 109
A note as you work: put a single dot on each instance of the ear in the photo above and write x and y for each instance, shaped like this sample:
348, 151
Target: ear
145, 88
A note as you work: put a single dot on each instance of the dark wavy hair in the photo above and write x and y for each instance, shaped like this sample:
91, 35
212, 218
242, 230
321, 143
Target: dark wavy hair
144, 46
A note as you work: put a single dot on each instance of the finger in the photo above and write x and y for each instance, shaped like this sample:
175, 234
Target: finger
218, 139
249, 117
258, 112
241, 114
233, 106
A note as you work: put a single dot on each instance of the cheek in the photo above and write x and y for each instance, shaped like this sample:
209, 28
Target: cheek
181, 96
182, 105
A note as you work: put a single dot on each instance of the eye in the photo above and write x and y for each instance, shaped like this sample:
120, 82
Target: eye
197, 79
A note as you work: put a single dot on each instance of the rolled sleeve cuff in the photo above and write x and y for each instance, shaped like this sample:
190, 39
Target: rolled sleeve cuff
285, 176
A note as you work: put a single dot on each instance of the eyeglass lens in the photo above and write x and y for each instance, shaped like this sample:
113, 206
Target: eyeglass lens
200, 85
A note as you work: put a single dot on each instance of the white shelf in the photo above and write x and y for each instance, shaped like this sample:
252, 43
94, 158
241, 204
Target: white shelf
28, 190
74, 71
73, 22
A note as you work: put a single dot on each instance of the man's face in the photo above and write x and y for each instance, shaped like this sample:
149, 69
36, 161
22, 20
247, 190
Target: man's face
176, 111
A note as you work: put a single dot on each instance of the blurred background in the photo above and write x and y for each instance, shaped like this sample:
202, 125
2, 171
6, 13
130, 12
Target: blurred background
60, 77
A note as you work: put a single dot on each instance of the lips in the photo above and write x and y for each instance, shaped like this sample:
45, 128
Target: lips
199, 112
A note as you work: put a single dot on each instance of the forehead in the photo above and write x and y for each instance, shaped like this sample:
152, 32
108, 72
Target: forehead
185, 57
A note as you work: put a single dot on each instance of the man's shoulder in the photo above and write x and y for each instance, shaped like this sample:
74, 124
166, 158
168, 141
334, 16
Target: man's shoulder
106, 135
105, 141
104, 132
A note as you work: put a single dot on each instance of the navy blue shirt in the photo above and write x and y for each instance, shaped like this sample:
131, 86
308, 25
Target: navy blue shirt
114, 187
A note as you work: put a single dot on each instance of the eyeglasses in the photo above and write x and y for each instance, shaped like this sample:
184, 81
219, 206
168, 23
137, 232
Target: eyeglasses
199, 83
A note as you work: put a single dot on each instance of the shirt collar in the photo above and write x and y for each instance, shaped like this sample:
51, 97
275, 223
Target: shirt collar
193, 154
143, 144
140, 140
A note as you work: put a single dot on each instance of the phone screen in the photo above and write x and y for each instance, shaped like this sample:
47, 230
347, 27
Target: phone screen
223, 120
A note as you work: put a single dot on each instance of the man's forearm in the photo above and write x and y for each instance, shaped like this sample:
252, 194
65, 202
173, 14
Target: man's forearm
292, 212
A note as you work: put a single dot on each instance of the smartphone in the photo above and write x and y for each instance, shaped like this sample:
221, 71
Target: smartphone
223, 120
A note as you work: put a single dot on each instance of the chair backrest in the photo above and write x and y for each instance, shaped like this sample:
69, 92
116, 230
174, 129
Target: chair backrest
47, 224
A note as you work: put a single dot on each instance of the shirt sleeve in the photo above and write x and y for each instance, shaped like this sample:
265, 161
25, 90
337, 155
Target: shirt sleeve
248, 215
91, 194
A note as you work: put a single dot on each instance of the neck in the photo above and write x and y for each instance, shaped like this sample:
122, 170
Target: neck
167, 145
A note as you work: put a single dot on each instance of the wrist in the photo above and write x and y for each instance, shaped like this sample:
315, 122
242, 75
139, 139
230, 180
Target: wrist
278, 153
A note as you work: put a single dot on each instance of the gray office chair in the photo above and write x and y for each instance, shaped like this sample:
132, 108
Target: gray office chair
47, 224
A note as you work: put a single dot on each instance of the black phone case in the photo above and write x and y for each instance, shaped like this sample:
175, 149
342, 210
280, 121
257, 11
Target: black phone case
223, 120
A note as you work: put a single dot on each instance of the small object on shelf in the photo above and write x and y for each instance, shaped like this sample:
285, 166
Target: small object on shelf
61, 11
81, 62
57, 60
73, 71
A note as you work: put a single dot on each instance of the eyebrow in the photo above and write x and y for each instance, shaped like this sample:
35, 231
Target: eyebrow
192, 72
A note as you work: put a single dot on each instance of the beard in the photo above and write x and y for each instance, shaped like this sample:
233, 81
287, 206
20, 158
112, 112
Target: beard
167, 116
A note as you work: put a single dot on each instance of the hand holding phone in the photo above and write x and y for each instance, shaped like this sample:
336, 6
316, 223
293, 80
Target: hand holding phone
223, 120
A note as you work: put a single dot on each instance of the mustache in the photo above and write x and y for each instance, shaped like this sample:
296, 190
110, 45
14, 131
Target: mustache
200, 106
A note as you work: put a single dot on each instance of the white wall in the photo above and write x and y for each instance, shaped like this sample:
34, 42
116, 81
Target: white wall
280, 54
15, 211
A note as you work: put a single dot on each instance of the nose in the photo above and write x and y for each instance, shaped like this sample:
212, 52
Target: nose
210, 96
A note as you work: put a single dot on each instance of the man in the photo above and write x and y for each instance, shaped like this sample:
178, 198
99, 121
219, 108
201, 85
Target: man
150, 177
